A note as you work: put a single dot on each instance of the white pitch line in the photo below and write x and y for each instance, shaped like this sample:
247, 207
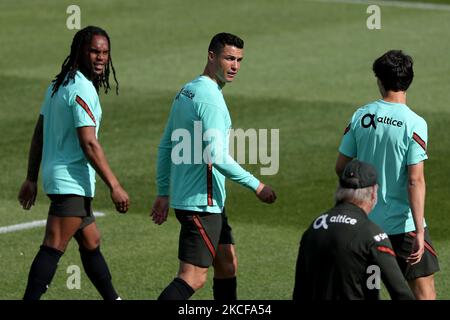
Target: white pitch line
399, 4
33, 224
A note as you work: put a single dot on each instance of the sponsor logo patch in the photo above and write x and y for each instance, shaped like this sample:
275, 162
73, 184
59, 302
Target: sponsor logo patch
380, 237
371, 120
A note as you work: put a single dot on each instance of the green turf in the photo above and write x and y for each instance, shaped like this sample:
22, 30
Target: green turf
307, 67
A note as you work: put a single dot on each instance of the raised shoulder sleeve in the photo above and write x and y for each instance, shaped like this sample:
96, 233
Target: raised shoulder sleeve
348, 141
418, 139
83, 101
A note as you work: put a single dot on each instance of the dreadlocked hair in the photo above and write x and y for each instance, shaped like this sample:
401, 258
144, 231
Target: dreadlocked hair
72, 63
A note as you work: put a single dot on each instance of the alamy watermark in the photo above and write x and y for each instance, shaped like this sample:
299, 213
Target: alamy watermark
215, 146
74, 19
74, 280
374, 280
374, 20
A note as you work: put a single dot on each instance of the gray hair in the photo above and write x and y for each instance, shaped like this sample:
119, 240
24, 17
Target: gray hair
353, 195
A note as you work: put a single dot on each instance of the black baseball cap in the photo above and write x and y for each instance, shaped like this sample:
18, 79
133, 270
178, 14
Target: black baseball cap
357, 175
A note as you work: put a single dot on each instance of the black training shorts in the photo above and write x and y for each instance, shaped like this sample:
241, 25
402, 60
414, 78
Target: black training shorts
71, 205
200, 235
402, 245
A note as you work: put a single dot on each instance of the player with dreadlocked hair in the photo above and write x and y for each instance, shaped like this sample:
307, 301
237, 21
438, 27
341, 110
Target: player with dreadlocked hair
72, 63
65, 140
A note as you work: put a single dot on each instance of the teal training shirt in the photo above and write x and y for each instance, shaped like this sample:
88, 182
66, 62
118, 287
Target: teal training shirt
199, 125
390, 136
65, 168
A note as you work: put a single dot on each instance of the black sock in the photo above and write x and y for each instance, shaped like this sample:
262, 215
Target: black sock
178, 289
97, 270
225, 289
42, 271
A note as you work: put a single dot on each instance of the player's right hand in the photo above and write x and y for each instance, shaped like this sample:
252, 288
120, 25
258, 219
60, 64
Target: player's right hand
27, 194
418, 249
120, 199
265, 193
160, 209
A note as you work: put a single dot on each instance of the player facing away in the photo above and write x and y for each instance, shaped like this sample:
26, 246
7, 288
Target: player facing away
196, 187
389, 135
65, 141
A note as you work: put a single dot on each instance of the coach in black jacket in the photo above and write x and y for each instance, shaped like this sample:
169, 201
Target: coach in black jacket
343, 254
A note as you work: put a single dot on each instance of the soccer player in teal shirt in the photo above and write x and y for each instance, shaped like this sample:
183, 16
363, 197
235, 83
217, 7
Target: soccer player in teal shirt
193, 176
65, 140
389, 135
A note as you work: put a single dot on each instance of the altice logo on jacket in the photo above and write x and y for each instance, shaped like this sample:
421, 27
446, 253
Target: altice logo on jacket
371, 120
216, 147
321, 221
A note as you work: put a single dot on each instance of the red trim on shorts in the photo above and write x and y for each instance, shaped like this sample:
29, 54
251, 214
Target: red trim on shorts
85, 107
209, 184
386, 250
427, 245
204, 235
419, 140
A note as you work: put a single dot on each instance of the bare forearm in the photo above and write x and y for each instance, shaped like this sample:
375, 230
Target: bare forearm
96, 157
416, 192
341, 162
35, 153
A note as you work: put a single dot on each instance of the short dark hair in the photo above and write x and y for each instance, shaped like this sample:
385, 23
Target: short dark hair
395, 70
222, 39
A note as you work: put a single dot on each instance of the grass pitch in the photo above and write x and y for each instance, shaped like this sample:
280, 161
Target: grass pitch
307, 67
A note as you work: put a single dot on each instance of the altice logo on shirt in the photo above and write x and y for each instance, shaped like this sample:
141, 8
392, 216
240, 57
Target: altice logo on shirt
370, 120
208, 146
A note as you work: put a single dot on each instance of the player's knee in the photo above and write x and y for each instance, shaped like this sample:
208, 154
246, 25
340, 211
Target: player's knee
55, 243
431, 295
231, 268
225, 269
425, 293
91, 244
197, 282
423, 289
195, 278
198, 285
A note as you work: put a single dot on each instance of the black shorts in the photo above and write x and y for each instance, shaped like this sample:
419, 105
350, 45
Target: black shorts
71, 205
200, 235
402, 245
